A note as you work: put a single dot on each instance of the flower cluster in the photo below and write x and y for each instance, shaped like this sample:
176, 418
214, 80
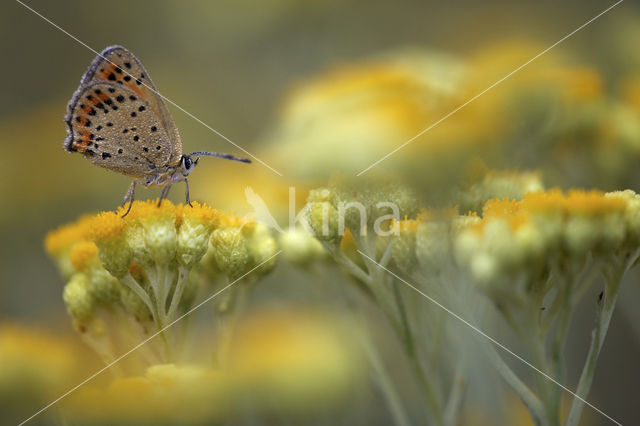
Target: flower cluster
361, 207
497, 185
546, 227
535, 259
129, 277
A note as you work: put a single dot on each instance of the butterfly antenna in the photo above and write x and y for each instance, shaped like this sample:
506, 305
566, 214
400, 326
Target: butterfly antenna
219, 155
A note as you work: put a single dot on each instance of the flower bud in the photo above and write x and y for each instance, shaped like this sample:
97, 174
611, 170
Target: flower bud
230, 251
299, 247
108, 233
196, 225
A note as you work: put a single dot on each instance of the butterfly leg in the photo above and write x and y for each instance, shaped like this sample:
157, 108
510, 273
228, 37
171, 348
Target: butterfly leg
164, 193
130, 197
186, 191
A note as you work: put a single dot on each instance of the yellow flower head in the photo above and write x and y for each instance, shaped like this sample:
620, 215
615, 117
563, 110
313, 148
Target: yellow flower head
358, 110
229, 251
262, 248
195, 225
594, 222
240, 244
107, 226
514, 235
234, 221
292, 360
322, 215
151, 232
107, 231
549, 202
59, 243
631, 214
498, 185
592, 203
84, 255
166, 393
299, 247
65, 236
35, 367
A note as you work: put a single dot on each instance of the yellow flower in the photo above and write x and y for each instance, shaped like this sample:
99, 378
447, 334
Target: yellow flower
322, 215
293, 361
78, 299
230, 251
362, 207
59, 243
195, 226
35, 368
107, 232
631, 213
84, 255
262, 248
594, 221
166, 393
153, 229
498, 185
516, 236
128, 276
362, 111
299, 247
239, 245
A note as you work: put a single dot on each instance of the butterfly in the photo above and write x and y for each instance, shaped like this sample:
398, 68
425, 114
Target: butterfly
118, 120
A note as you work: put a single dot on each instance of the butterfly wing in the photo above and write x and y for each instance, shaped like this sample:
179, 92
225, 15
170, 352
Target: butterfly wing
117, 129
116, 65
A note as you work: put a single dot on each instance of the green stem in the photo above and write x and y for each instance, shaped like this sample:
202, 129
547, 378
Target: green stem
379, 286
530, 400
131, 282
452, 407
385, 383
183, 277
410, 348
538, 349
378, 281
157, 280
607, 305
228, 317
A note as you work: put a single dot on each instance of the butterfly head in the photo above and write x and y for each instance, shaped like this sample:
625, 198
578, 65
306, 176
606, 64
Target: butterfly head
188, 163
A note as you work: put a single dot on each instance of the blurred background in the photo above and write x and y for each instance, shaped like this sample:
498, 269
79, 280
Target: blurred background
298, 84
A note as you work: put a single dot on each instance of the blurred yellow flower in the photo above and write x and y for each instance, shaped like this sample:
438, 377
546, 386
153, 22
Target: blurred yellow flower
34, 368
542, 226
362, 111
166, 394
293, 361
497, 185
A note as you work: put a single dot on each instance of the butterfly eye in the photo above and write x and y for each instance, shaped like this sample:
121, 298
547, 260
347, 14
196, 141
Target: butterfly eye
187, 163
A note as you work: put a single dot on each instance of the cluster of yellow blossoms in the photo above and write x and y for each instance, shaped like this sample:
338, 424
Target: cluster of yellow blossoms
514, 237
533, 253
130, 277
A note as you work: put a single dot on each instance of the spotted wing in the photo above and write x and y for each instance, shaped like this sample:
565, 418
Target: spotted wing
115, 128
119, 66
